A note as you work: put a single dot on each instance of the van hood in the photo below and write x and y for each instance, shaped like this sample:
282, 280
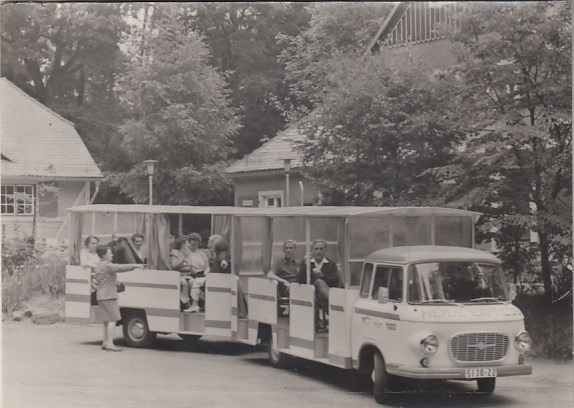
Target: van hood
460, 313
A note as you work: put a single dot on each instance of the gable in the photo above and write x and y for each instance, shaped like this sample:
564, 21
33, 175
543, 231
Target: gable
38, 142
414, 22
271, 155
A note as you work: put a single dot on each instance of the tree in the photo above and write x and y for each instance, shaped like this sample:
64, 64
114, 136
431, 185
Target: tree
67, 56
242, 42
375, 140
179, 115
515, 89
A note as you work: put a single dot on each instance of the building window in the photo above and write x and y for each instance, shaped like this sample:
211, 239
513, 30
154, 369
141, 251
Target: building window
271, 199
17, 200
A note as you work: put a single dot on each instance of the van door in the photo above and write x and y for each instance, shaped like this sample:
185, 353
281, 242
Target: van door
380, 322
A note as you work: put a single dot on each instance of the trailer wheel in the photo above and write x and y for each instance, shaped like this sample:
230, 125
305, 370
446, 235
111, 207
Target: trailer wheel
381, 379
136, 330
277, 359
486, 386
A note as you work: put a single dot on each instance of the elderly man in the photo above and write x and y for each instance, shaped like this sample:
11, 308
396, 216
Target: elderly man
324, 275
285, 269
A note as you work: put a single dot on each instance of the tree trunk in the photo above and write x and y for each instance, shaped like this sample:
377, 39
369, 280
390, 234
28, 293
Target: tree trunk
546, 268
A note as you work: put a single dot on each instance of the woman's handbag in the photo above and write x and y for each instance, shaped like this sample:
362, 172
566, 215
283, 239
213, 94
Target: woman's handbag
121, 287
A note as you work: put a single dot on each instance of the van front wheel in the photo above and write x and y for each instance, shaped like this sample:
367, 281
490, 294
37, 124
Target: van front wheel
381, 379
486, 385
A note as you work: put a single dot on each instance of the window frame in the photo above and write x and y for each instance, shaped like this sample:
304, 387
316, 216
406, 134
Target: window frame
10, 199
370, 279
398, 271
264, 196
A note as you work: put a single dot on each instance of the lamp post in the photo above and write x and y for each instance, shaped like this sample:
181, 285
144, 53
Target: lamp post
287, 164
150, 167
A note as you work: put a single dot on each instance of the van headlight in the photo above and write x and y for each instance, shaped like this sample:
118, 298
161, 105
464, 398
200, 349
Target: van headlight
429, 345
523, 341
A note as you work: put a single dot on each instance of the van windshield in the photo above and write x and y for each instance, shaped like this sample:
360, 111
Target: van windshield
455, 282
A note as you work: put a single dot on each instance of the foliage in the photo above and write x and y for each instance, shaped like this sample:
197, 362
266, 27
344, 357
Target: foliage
514, 88
335, 30
27, 270
179, 115
375, 140
242, 42
549, 327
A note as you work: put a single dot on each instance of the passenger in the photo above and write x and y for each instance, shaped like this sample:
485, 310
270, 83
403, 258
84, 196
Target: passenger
324, 275
107, 293
222, 264
221, 258
193, 265
210, 250
140, 249
285, 269
90, 259
199, 268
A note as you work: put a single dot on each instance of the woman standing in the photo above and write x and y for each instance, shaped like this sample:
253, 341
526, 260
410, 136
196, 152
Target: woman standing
90, 259
107, 293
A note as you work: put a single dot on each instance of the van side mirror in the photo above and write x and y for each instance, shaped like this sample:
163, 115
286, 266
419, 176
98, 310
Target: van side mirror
383, 295
512, 290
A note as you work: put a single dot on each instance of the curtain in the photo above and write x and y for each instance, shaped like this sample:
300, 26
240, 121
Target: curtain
267, 245
236, 250
222, 226
342, 250
158, 242
75, 237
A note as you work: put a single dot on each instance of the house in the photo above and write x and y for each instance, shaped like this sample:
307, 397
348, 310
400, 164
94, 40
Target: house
271, 176
46, 168
412, 30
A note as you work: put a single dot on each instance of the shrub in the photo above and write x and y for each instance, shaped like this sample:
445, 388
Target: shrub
27, 270
550, 326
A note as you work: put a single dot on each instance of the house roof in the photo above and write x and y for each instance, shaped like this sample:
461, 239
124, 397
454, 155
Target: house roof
271, 155
37, 142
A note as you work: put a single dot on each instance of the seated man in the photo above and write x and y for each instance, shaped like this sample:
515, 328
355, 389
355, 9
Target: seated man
139, 248
285, 269
324, 275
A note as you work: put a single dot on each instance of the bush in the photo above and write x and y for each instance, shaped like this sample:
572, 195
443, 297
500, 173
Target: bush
550, 326
27, 270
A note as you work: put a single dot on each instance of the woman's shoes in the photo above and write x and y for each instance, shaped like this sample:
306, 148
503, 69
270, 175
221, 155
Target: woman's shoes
192, 309
111, 349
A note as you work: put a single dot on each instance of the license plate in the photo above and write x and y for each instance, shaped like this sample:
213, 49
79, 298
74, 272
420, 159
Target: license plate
480, 372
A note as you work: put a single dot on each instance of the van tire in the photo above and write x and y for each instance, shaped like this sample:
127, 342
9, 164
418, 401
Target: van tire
486, 386
381, 379
276, 358
136, 330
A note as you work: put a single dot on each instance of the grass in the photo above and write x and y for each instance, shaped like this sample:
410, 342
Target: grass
549, 326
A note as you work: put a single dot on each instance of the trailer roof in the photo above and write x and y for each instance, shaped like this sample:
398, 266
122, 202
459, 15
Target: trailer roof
315, 211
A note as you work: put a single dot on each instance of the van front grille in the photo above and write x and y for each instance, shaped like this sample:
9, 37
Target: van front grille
470, 347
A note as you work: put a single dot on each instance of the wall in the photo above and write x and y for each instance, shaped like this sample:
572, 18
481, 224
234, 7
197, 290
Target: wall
248, 185
52, 210
432, 55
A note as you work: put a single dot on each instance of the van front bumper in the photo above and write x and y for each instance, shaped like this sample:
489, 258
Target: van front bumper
455, 373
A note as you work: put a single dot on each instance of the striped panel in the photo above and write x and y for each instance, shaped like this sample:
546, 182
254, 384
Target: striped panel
304, 303
218, 324
151, 311
297, 342
337, 308
344, 362
72, 297
77, 320
219, 290
262, 297
150, 285
384, 315
72, 280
